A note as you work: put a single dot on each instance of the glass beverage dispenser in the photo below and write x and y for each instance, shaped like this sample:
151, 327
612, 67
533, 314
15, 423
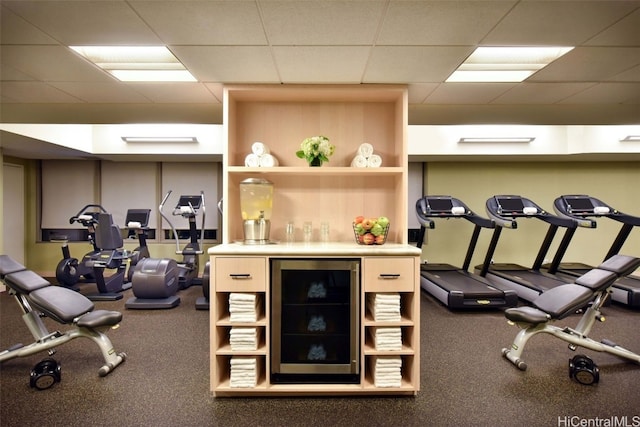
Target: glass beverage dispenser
256, 202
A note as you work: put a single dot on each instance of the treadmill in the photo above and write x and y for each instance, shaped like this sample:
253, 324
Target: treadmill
529, 283
456, 287
582, 208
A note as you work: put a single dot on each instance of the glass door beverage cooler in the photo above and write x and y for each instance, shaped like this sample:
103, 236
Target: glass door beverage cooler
315, 312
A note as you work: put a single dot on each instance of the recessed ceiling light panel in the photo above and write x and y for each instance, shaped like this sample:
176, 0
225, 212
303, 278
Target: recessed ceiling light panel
137, 63
505, 64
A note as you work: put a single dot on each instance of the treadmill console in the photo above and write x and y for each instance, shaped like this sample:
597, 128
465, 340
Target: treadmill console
441, 206
583, 206
513, 206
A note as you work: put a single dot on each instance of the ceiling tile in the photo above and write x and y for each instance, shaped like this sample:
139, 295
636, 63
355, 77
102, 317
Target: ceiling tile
630, 75
608, 93
203, 22
175, 92
589, 64
86, 22
440, 22
413, 64
51, 63
34, 92
321, 23
540, 93
626, 32
334, 64
11, 74
237, 64
101, 93
467, 93
418, 92
565, 23
15, 30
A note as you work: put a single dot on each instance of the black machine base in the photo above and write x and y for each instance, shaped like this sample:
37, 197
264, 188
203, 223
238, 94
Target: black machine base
152, 303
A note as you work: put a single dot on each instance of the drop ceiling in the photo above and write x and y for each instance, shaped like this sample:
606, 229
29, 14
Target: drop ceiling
418, 43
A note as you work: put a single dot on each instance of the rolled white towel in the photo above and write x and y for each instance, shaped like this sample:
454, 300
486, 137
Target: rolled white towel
359, 161
252, 160
365, 150
374, 161
268, 161
259, 149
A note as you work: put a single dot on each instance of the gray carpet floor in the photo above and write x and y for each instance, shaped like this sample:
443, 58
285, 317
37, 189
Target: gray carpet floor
464, 379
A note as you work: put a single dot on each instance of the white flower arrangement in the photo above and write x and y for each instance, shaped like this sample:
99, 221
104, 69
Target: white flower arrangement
316, 150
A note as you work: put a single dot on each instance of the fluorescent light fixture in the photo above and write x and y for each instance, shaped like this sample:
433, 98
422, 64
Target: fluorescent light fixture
153, 75
160, 139
517, 139
631, 138
505, 64
137, 63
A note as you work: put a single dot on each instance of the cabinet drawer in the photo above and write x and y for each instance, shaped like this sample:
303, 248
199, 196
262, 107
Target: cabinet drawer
384, 274
240, 274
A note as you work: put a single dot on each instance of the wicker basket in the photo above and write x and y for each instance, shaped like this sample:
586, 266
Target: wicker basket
367, 238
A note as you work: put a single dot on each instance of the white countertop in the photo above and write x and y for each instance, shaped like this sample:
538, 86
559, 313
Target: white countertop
315, 249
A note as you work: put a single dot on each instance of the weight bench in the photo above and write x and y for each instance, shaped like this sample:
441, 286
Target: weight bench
589, 290
37, 298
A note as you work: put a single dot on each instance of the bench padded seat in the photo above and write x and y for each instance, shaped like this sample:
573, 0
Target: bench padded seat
61, 304
597, 279
25, 281
100, 318
8, 265
563, 300
527, 315
622, 265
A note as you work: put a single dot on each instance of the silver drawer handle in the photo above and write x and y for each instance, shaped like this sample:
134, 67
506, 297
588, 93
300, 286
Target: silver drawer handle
389, 276
240, 275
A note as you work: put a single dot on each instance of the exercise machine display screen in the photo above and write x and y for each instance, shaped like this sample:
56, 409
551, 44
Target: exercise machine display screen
194, 201
138, 215
510, 205
579, 205
440, 205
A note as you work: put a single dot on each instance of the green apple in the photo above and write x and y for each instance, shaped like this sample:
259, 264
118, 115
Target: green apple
360, 229
383, 221
377, 229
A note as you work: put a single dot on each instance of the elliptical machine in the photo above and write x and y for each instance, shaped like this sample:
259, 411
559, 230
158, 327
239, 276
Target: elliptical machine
69, 269
188, 207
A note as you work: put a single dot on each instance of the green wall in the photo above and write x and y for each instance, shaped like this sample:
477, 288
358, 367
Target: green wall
615, 183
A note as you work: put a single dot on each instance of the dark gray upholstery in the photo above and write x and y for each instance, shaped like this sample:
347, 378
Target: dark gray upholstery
527, 315
108, 236
61, 304
25, 281
622, 265
597, 279
9, 265
563, 300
